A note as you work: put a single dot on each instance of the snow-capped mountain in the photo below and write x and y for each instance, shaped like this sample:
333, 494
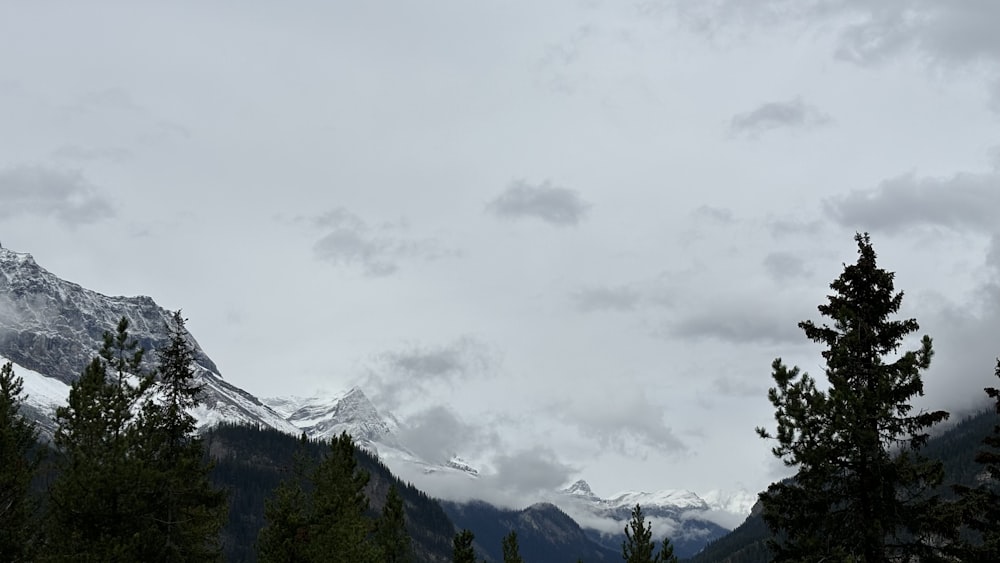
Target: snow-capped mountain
51, 328
325, 416
689, 520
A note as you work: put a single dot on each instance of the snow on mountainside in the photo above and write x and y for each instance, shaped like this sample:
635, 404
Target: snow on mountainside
325, 416
51, 328
688, 519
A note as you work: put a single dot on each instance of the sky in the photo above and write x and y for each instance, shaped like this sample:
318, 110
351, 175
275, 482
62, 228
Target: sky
563, 240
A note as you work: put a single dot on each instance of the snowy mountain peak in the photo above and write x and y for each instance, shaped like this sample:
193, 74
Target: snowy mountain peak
53, 327
8, 255
324, 417
672, 498
580, 489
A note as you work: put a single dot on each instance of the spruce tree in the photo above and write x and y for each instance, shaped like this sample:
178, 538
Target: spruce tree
462, 550
980, 505
285, 535
339, 525
639, 546
95, 509
391, 539
184, 513
862, 491
17, 467
511, 551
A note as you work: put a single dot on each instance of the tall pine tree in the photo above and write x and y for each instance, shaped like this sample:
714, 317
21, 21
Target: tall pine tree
462, 550
862, 490
184, 513
981, 504
322, 518
339, 526
391, 539
511, 550
639, 546
17, 467
285, 535
95, 507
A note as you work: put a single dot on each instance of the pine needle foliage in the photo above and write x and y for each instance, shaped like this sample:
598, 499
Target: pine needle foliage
463, 552
95, 505
862, 491
511, 551
639, 546
18, 464
391, 539
981, 504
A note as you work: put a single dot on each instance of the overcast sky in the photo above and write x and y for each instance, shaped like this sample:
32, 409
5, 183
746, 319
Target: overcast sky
562, 239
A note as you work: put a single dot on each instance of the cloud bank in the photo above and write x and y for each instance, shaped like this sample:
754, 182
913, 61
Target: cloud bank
48, 192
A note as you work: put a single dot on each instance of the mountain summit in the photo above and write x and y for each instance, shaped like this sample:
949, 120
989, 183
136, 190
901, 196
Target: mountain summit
51, 328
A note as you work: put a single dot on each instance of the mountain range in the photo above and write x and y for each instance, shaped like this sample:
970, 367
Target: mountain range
50, 328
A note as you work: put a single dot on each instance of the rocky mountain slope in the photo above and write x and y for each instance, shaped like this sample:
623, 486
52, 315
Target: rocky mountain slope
51, 328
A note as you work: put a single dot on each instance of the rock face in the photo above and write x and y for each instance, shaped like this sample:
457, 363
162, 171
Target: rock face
52, 328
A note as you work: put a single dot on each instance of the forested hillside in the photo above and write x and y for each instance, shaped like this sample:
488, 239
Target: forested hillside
251, 462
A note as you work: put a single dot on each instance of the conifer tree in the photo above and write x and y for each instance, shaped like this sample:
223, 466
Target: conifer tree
339, 526
285, 535
95, 509
184, 513
639, 546
321, 516
511, 551
391, 538
462, 550
981, 505
17, 466
862, 490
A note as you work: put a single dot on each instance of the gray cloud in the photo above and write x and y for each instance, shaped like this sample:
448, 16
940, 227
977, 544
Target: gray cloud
952, 32
531, 471
554, 205
794, 114
438, 434
782, 266
395, 376
965, 343
963, 202
735, 387
521, 478
76, 152
349, 240
631, 424
948, 34
717, 214
787, 227
606, 299
47, 192
736, 323
465, 357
